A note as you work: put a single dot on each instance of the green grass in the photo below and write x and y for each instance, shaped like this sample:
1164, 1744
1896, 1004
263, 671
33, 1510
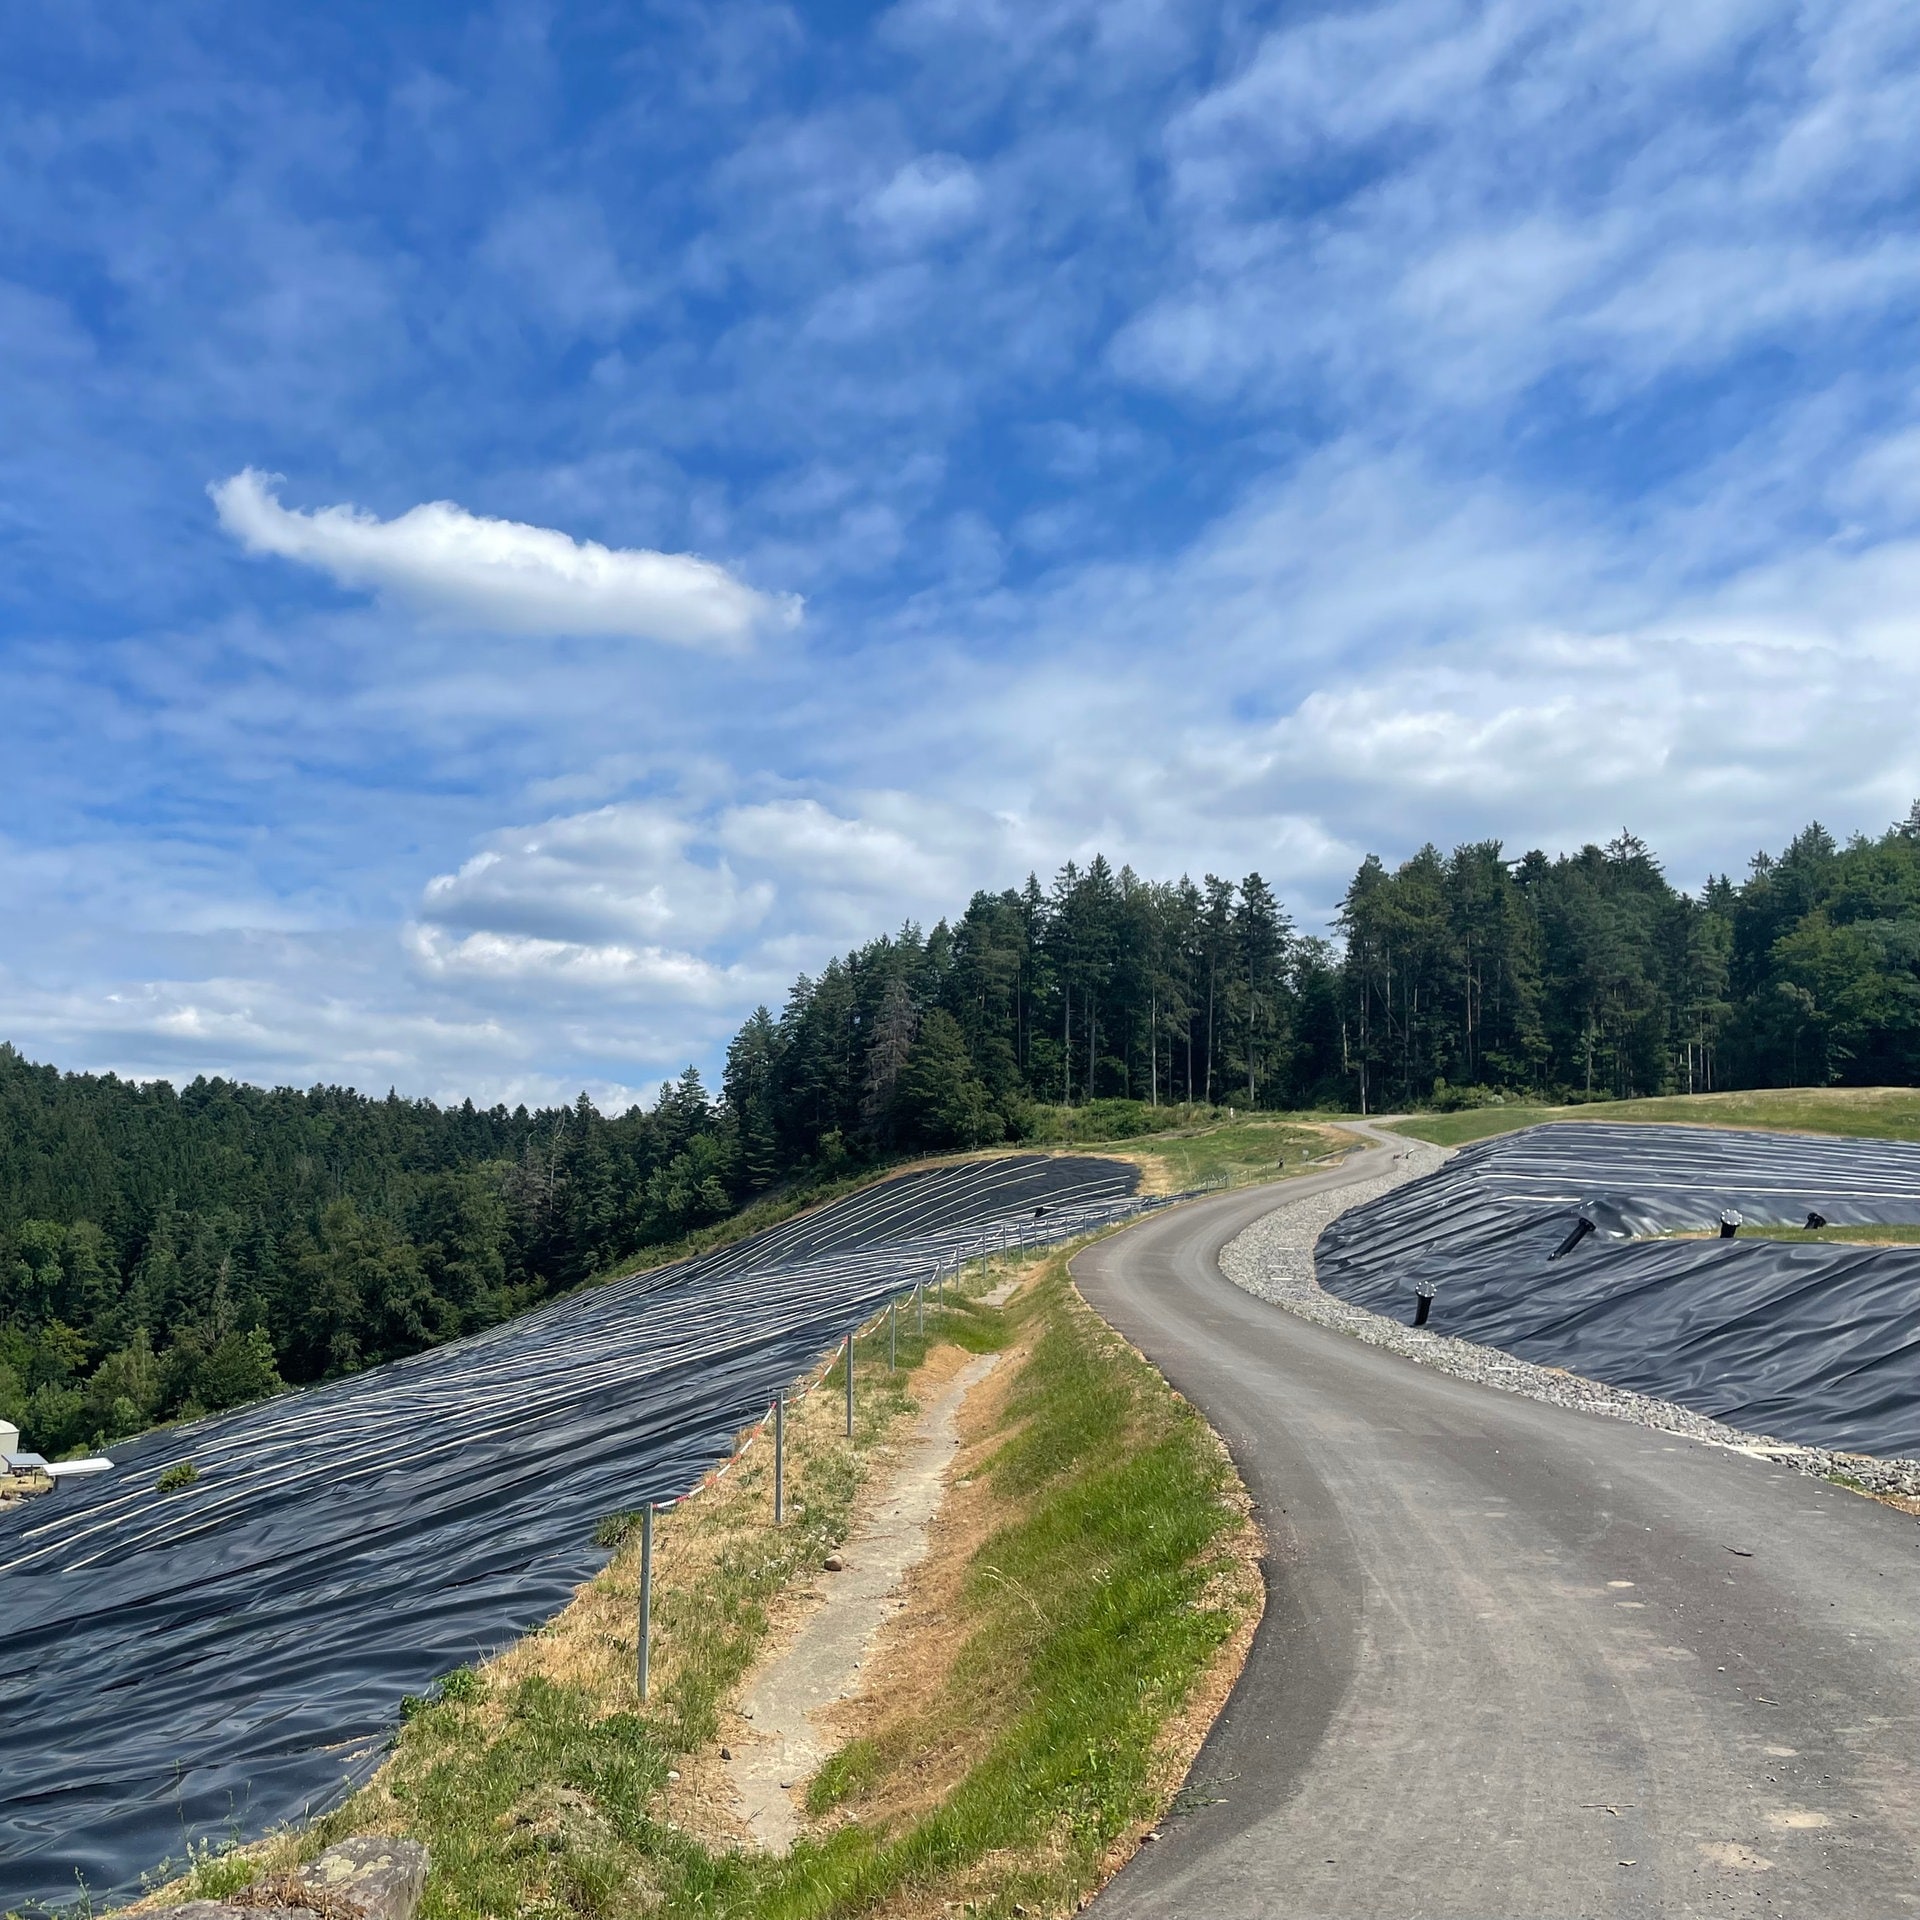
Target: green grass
1089, 1614
1873, 1113
1876, 1234
1204, 1147
854, 1769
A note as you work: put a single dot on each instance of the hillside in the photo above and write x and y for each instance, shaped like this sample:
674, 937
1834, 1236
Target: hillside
166, 1251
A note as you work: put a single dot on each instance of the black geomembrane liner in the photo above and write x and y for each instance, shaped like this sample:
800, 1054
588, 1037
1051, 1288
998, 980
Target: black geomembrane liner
207, 1663
1806, 1341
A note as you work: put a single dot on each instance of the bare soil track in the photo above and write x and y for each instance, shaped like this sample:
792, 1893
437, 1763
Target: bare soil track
1518, 1660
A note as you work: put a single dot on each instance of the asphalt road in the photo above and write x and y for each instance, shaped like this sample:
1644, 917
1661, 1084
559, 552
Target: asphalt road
1518, 1660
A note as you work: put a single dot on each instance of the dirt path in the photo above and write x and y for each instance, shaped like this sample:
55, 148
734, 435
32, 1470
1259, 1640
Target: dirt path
820, 1667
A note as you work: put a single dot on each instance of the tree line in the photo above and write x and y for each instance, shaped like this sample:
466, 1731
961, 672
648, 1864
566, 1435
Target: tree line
165, 1252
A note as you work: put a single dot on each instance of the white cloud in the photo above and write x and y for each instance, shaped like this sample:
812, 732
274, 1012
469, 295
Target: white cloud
1352, 217
815, 846
694, 905
504, 575
652, 973
622, 873
929, 198
558, 252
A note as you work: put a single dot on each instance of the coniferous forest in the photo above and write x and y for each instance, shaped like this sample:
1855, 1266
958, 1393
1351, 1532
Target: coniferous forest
165, 1252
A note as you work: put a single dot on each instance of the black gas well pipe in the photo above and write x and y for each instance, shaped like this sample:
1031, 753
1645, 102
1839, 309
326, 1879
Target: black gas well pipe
1581, 1228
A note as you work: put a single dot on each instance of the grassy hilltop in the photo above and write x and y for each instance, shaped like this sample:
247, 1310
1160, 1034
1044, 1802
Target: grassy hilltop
1869, 1113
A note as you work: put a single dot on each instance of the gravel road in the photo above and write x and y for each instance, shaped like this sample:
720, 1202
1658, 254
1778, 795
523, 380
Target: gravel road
1516, 1659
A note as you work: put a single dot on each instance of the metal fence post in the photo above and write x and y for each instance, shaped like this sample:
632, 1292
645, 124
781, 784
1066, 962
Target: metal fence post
780, 1461
646, 1594
849, 1384
919, 1306
893, 1335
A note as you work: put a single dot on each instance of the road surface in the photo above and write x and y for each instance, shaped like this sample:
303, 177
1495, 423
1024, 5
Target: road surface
1518, 1660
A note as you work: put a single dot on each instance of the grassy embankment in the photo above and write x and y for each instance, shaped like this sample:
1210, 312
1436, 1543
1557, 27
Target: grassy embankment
1201, 1146
1875, 1113
1103, 1580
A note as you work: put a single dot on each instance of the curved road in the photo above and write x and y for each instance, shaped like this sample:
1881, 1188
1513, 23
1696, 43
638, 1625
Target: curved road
1518, 1660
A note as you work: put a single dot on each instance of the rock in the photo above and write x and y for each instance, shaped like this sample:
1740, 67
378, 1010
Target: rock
834, 1564
726, 1753
382, 1876
673, 1773
1147, 1839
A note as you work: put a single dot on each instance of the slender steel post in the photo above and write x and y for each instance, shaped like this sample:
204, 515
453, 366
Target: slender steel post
919, 1306
893, 1335
646, 1594
849, 1385
780, 1461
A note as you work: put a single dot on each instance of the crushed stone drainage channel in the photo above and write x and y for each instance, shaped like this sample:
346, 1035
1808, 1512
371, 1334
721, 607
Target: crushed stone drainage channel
210, 1663
1812, 1342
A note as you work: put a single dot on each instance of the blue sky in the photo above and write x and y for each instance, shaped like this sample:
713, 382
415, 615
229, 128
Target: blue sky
522, 528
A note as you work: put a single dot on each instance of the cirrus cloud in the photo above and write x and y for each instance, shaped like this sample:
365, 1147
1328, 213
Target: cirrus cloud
504, 574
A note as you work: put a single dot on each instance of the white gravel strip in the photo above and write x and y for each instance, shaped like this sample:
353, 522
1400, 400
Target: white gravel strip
1273, 1259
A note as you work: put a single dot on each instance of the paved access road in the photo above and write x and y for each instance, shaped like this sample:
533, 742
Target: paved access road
1518, 1660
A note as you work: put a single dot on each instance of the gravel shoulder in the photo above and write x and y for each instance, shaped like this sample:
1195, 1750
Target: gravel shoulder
1273, 1260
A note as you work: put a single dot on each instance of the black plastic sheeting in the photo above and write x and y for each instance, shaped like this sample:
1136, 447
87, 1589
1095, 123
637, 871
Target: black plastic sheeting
1804, 1341
215, 1661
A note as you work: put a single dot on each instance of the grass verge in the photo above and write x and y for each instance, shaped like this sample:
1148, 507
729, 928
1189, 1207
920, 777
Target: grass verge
1106, 1574
1873, 1113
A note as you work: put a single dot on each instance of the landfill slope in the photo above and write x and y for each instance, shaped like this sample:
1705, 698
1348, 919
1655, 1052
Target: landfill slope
1814, 1342
207, 1663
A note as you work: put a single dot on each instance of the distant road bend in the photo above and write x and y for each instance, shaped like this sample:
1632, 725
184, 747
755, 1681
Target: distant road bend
1518, 1660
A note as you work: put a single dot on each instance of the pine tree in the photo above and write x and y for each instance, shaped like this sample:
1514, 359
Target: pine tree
887, 1049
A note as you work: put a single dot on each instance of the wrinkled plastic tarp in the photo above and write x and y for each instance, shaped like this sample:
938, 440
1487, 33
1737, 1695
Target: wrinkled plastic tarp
211, 1662
1806, 1341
